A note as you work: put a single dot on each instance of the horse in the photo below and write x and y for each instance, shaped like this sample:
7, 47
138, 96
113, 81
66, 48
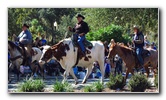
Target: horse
16, 54
67, 55
130, 59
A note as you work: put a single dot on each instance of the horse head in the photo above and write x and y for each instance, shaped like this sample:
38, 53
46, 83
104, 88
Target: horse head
56, 51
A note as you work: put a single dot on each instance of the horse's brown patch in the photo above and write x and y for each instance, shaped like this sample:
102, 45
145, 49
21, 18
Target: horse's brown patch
57, 50
89, 57
86, 59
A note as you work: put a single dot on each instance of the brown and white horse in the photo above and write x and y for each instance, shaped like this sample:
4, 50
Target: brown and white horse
17, 57
66, 54
130, 60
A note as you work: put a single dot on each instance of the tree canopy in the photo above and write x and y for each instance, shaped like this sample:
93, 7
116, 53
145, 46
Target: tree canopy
104, 23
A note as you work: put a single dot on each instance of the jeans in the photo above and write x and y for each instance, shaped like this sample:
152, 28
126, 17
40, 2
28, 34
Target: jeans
139, 55
80, 42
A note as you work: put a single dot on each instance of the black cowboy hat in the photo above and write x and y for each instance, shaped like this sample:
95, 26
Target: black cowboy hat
25, 25
79, 15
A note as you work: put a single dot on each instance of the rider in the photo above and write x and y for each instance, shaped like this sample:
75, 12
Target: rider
81, 29
139, 44
25, 41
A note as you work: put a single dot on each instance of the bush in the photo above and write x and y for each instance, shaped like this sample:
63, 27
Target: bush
88, 89
138, 83
98, 87
156, 81
116, 82
107, 33
95, 87
32, 86
65, 87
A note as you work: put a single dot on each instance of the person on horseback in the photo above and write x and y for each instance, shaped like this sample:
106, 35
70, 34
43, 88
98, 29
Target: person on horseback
138, 42
25, 41
81, 29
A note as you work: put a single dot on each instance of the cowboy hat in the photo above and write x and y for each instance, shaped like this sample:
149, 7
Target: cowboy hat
25, 25
79, 15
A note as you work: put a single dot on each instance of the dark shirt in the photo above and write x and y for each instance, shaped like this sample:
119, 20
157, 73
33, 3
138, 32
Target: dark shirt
44, 42
81, 27
139, 37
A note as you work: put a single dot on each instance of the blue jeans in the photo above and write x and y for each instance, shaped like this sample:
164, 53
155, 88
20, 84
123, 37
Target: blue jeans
139, 55
80, 42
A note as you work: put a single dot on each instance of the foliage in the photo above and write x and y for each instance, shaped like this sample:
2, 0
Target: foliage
107, 33
138, 83
95, 87
88, 89
116, 82
156, 81
62, 87
97, 19
32, 86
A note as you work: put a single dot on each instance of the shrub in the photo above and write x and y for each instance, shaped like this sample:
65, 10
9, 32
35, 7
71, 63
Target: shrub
98, 87
88, 89
156, 81
116, 82
110, 32
32, 86
95, 87
138, 83
62, 87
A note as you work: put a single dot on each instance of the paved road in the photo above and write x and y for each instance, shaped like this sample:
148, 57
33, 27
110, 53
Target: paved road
49, 81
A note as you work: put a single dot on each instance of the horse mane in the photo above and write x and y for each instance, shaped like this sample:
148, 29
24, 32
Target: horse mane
14, 46
125, 49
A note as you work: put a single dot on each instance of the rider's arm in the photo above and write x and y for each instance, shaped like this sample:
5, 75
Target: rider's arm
141, 39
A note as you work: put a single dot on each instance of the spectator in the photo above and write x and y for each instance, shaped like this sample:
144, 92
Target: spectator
112, 41
118, 64
36, 43
153, 46
107, 68
146, 42
40, 43
44, 41
106, 48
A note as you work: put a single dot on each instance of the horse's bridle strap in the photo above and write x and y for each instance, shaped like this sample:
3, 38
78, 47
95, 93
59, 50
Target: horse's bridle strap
15, 58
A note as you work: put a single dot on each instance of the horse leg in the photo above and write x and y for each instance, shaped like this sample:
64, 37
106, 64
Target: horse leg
127, 73
102, 69
89, 70
73, 75
147, 70
66, 74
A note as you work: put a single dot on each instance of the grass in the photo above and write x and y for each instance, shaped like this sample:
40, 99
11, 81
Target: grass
95, 87
62, 87
32, 86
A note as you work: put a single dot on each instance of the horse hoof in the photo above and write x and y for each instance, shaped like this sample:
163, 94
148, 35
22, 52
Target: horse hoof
76, 83
84, 82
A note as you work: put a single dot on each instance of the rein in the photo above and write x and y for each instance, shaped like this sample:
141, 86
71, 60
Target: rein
15, 58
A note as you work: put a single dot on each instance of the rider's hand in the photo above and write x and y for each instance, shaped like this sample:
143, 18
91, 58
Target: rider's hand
81, 34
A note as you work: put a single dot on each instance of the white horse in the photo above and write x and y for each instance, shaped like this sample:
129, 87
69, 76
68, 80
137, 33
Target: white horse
17, 57
67, 55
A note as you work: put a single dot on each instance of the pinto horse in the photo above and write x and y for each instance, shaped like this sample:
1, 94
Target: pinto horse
16, 54
67, 55
130, 59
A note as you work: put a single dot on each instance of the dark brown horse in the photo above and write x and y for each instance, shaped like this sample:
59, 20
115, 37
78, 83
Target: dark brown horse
130, 59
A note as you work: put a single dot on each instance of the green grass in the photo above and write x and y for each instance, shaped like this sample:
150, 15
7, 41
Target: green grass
95, 87
62, 87
32, 86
